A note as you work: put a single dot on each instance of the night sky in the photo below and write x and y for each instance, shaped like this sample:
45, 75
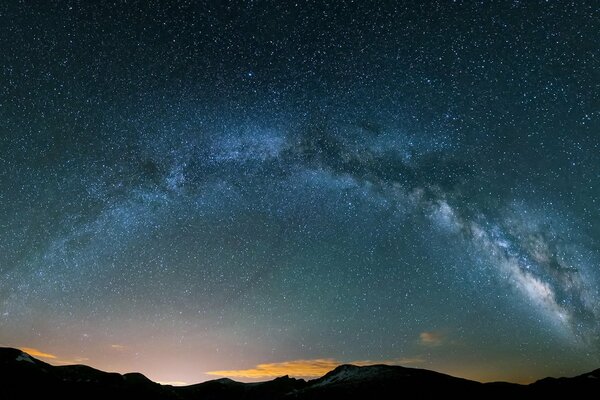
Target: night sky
249, 189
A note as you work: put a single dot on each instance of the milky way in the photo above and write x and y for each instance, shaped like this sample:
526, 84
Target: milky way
192, 189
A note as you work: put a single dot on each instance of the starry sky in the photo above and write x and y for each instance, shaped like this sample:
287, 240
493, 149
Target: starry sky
198, 189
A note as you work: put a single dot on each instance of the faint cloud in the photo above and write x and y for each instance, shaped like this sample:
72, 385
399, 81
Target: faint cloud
307, 368
52, 358
117, 346
78, 360
407, 361
304, 368
431, 338
172, 383
37, 353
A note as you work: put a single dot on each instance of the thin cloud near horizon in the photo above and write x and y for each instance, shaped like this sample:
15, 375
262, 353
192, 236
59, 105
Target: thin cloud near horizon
37, 353
53, 359
304, 368
431, 338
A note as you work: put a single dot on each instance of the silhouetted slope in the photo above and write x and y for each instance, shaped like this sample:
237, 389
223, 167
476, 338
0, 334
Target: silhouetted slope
24, 377
585, 383
383, 382
226, 389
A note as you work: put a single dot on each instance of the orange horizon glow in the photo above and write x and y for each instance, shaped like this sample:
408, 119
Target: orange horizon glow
303, 368
37, 353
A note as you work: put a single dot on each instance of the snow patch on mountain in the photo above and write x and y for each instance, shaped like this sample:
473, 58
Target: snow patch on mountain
25, 357
345, 373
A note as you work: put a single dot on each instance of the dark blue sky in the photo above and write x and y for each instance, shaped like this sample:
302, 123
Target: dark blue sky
191, 187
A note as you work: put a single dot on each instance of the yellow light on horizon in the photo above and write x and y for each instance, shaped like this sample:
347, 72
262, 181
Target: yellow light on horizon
37, 353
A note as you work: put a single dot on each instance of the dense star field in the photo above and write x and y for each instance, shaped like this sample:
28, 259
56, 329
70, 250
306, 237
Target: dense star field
250, 189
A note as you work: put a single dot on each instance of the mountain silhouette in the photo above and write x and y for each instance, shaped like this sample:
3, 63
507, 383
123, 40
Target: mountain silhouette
23, 376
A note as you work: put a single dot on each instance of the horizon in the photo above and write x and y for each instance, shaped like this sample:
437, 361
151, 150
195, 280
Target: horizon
300, 369
194, 189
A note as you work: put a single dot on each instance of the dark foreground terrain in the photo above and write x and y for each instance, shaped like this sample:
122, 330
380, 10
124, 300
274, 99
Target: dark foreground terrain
24, 377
